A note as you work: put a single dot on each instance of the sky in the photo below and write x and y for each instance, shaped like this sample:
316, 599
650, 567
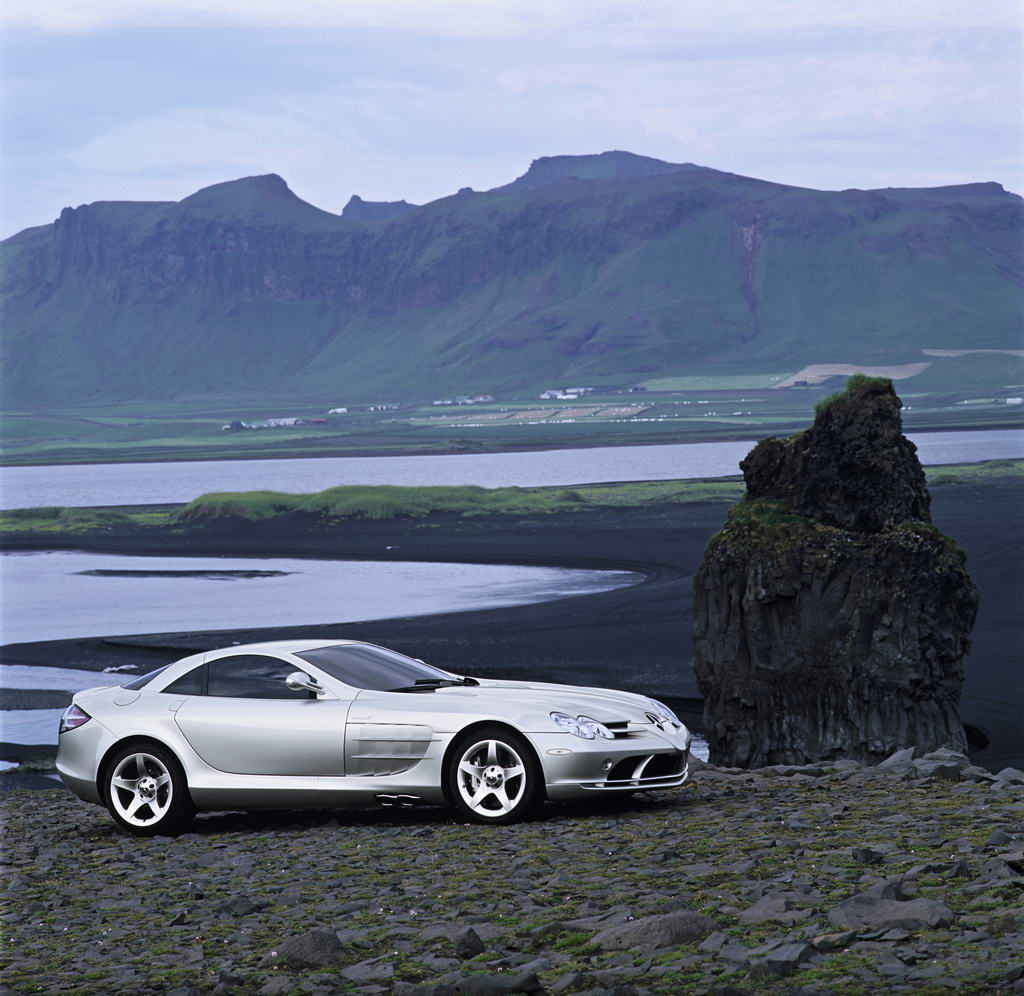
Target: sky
413, 99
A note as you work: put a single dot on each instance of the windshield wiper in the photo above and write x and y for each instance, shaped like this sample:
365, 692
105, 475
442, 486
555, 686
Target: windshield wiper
430, 684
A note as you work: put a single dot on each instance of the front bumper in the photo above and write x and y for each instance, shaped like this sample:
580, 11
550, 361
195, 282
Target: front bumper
575, 768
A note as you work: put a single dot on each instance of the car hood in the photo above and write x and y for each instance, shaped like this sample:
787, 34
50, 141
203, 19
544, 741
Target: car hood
606, 705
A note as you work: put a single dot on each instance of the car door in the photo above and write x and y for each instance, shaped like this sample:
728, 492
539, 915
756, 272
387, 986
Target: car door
242, 718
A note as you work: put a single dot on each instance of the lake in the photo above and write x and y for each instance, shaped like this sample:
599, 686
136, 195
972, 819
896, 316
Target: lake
54, 595
163, 483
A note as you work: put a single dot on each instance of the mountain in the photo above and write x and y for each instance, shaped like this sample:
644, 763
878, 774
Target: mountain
359, 210
602, 269
607, 166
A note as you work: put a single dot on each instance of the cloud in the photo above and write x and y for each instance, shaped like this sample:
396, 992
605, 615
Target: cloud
404, 99
507, 18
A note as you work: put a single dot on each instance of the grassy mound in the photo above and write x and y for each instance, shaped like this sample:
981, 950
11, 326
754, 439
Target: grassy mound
391, 501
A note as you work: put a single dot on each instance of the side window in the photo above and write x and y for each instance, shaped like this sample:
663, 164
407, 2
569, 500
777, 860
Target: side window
252, 676
190, 683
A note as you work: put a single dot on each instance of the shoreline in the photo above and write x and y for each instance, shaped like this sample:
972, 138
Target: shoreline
470, 447
636, 638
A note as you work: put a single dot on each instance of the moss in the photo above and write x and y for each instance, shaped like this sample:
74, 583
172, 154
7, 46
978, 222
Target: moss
858, 387
390, 501
62, 520
926, 532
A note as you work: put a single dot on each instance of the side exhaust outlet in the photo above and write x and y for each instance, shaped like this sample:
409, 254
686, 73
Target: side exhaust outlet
398, 801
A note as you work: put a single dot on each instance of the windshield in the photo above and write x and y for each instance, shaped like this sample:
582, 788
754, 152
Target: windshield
364, 666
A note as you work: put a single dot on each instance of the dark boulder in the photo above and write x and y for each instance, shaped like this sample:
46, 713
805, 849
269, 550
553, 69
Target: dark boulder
831, 618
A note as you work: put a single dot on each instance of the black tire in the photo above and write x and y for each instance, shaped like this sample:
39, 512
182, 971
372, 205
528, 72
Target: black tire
146, 791
479, 769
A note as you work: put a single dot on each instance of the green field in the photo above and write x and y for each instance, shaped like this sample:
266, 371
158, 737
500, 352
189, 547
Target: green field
953, 393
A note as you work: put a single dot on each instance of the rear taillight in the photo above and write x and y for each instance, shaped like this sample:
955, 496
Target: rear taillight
72, 719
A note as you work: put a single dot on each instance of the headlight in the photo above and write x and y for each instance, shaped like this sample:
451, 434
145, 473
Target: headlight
572, 725
598, 729
581, 726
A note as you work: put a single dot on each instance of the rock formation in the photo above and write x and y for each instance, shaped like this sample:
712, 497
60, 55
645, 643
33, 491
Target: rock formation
359, 210
831, 618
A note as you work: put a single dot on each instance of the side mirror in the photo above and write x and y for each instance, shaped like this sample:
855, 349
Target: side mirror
298, 680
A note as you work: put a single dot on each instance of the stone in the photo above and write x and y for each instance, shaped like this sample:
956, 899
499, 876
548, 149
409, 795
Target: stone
899, 758
784, 908
996, 869
998, 838
827, 943
1014, 858
546, 931
510, 982
831, 618
467, 943
867, 855
782, 960
368, 971
975, 773
894, 935
884, 906
570, 980
1012, 775
277, 985
653, 932
714, 942
401, 988
945, 754
241, 906
944, 770
316, 947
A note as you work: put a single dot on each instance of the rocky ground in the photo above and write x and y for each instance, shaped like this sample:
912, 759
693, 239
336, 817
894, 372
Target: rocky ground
829, 879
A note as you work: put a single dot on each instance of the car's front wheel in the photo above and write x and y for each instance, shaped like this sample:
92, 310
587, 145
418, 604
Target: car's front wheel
146, 791
493, 776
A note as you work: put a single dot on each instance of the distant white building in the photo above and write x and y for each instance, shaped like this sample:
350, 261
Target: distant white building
276, 423
338, 411
1015, 401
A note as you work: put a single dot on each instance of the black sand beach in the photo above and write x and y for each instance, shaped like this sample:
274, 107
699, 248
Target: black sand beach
636, 638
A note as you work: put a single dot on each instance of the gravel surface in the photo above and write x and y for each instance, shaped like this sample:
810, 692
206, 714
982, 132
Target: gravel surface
830, 879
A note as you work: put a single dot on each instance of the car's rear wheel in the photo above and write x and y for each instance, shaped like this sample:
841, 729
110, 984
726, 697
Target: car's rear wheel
146, 791
493, 776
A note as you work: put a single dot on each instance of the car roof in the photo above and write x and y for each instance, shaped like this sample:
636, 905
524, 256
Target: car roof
284, 646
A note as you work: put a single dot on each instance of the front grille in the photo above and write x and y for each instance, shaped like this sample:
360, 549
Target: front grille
643, 769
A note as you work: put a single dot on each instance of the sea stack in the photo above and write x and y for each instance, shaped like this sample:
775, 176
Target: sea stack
831, 618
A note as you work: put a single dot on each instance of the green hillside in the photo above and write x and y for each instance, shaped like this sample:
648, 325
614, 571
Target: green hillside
593, 270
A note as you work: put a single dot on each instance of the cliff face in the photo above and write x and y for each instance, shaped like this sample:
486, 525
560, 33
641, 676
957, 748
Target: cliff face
831, 619
598, 270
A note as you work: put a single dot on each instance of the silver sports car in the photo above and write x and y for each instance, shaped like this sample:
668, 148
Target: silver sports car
325, 723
